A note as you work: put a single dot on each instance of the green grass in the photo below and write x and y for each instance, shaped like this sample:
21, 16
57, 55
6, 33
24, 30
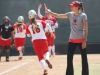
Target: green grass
94, 69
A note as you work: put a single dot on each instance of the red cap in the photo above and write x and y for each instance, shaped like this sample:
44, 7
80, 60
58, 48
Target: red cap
75, 4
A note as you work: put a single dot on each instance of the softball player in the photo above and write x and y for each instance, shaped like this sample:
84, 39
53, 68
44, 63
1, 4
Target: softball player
6, 37
53, 23
20, 35
35, 30
78, 35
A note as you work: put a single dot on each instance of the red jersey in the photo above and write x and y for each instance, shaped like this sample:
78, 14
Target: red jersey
52, 22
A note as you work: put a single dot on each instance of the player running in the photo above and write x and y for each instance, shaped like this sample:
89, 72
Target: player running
20, 35
6, 37
35, 30
53, 23
78, 35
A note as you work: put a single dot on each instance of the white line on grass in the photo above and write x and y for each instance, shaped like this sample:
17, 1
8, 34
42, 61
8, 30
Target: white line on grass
13, 68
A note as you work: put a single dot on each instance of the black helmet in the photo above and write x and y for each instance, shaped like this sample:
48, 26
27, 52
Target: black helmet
6, 18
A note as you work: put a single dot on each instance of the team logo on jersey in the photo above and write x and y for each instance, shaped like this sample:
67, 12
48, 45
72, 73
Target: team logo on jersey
36, 29
74, 22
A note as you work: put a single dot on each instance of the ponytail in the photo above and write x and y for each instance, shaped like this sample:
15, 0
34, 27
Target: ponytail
33, 23
82, 6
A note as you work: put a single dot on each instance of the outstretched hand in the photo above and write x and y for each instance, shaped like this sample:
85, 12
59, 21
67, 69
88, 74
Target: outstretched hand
46, 9
40, 6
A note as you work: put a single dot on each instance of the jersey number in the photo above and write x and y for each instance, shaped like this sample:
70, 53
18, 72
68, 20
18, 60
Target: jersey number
19, 29
37, 30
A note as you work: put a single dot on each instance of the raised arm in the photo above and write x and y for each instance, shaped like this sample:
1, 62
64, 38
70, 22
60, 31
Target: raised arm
39, 8
63, 16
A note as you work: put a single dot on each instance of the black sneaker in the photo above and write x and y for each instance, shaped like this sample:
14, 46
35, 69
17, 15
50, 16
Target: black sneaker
7, 56
7, 60
49, 64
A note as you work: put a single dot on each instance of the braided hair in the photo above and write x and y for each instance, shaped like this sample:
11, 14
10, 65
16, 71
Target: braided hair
34, 23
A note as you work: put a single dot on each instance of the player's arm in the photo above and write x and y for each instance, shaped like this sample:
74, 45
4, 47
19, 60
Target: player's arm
28, 32
85, 27
50, 30
39, 14
63, 16
14, 26
55, 23
46, 26
12, 35
25, 27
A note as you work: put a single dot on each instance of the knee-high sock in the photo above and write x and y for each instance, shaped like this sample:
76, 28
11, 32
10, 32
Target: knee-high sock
53, 49
42, 62
49, 50
20, 51
46, 55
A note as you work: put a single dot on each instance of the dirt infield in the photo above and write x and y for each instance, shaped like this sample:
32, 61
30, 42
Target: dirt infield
30, 65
